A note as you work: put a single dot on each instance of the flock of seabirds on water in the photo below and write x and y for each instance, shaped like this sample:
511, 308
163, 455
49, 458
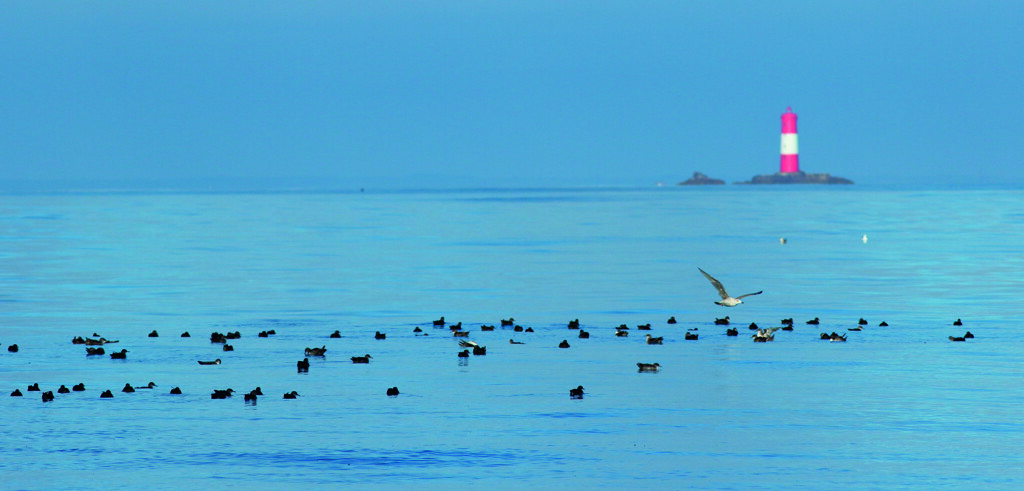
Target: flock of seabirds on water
94, 347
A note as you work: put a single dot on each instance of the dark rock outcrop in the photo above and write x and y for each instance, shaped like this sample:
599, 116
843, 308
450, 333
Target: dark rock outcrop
699, 179
796, 178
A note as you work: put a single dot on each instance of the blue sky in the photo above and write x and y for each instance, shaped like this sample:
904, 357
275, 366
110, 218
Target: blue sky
525, 93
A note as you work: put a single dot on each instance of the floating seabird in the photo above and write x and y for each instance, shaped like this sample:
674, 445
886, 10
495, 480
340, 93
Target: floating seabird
576, 393
221, 393
727, 300
648, 367
765, 335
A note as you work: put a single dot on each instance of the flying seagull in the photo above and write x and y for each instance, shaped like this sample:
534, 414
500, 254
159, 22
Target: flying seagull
727, 301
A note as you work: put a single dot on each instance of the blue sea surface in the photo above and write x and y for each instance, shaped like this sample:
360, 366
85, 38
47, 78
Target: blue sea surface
896, 406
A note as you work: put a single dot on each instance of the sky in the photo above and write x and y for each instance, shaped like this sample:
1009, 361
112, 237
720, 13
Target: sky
449, 94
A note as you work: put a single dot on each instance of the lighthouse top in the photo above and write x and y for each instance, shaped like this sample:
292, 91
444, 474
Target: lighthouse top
789, 121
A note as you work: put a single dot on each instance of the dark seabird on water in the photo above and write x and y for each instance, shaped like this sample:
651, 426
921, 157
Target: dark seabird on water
576, 393
648, 367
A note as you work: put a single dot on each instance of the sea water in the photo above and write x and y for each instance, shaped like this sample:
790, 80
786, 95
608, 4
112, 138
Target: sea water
896, 406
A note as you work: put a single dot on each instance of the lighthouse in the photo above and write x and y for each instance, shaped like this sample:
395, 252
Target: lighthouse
790, 159
789, 163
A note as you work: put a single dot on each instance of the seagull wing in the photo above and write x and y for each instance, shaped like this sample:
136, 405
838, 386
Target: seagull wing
715, 283
749, 294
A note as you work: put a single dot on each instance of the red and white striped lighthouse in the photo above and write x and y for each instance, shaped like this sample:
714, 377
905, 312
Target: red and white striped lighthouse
790, 160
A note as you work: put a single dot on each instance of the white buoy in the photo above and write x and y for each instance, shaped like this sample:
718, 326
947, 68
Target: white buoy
864, 238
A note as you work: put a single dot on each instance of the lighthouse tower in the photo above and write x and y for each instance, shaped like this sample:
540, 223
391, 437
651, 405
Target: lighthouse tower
790, 160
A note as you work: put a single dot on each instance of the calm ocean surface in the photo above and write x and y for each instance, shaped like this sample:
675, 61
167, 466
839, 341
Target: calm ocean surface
896, 406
